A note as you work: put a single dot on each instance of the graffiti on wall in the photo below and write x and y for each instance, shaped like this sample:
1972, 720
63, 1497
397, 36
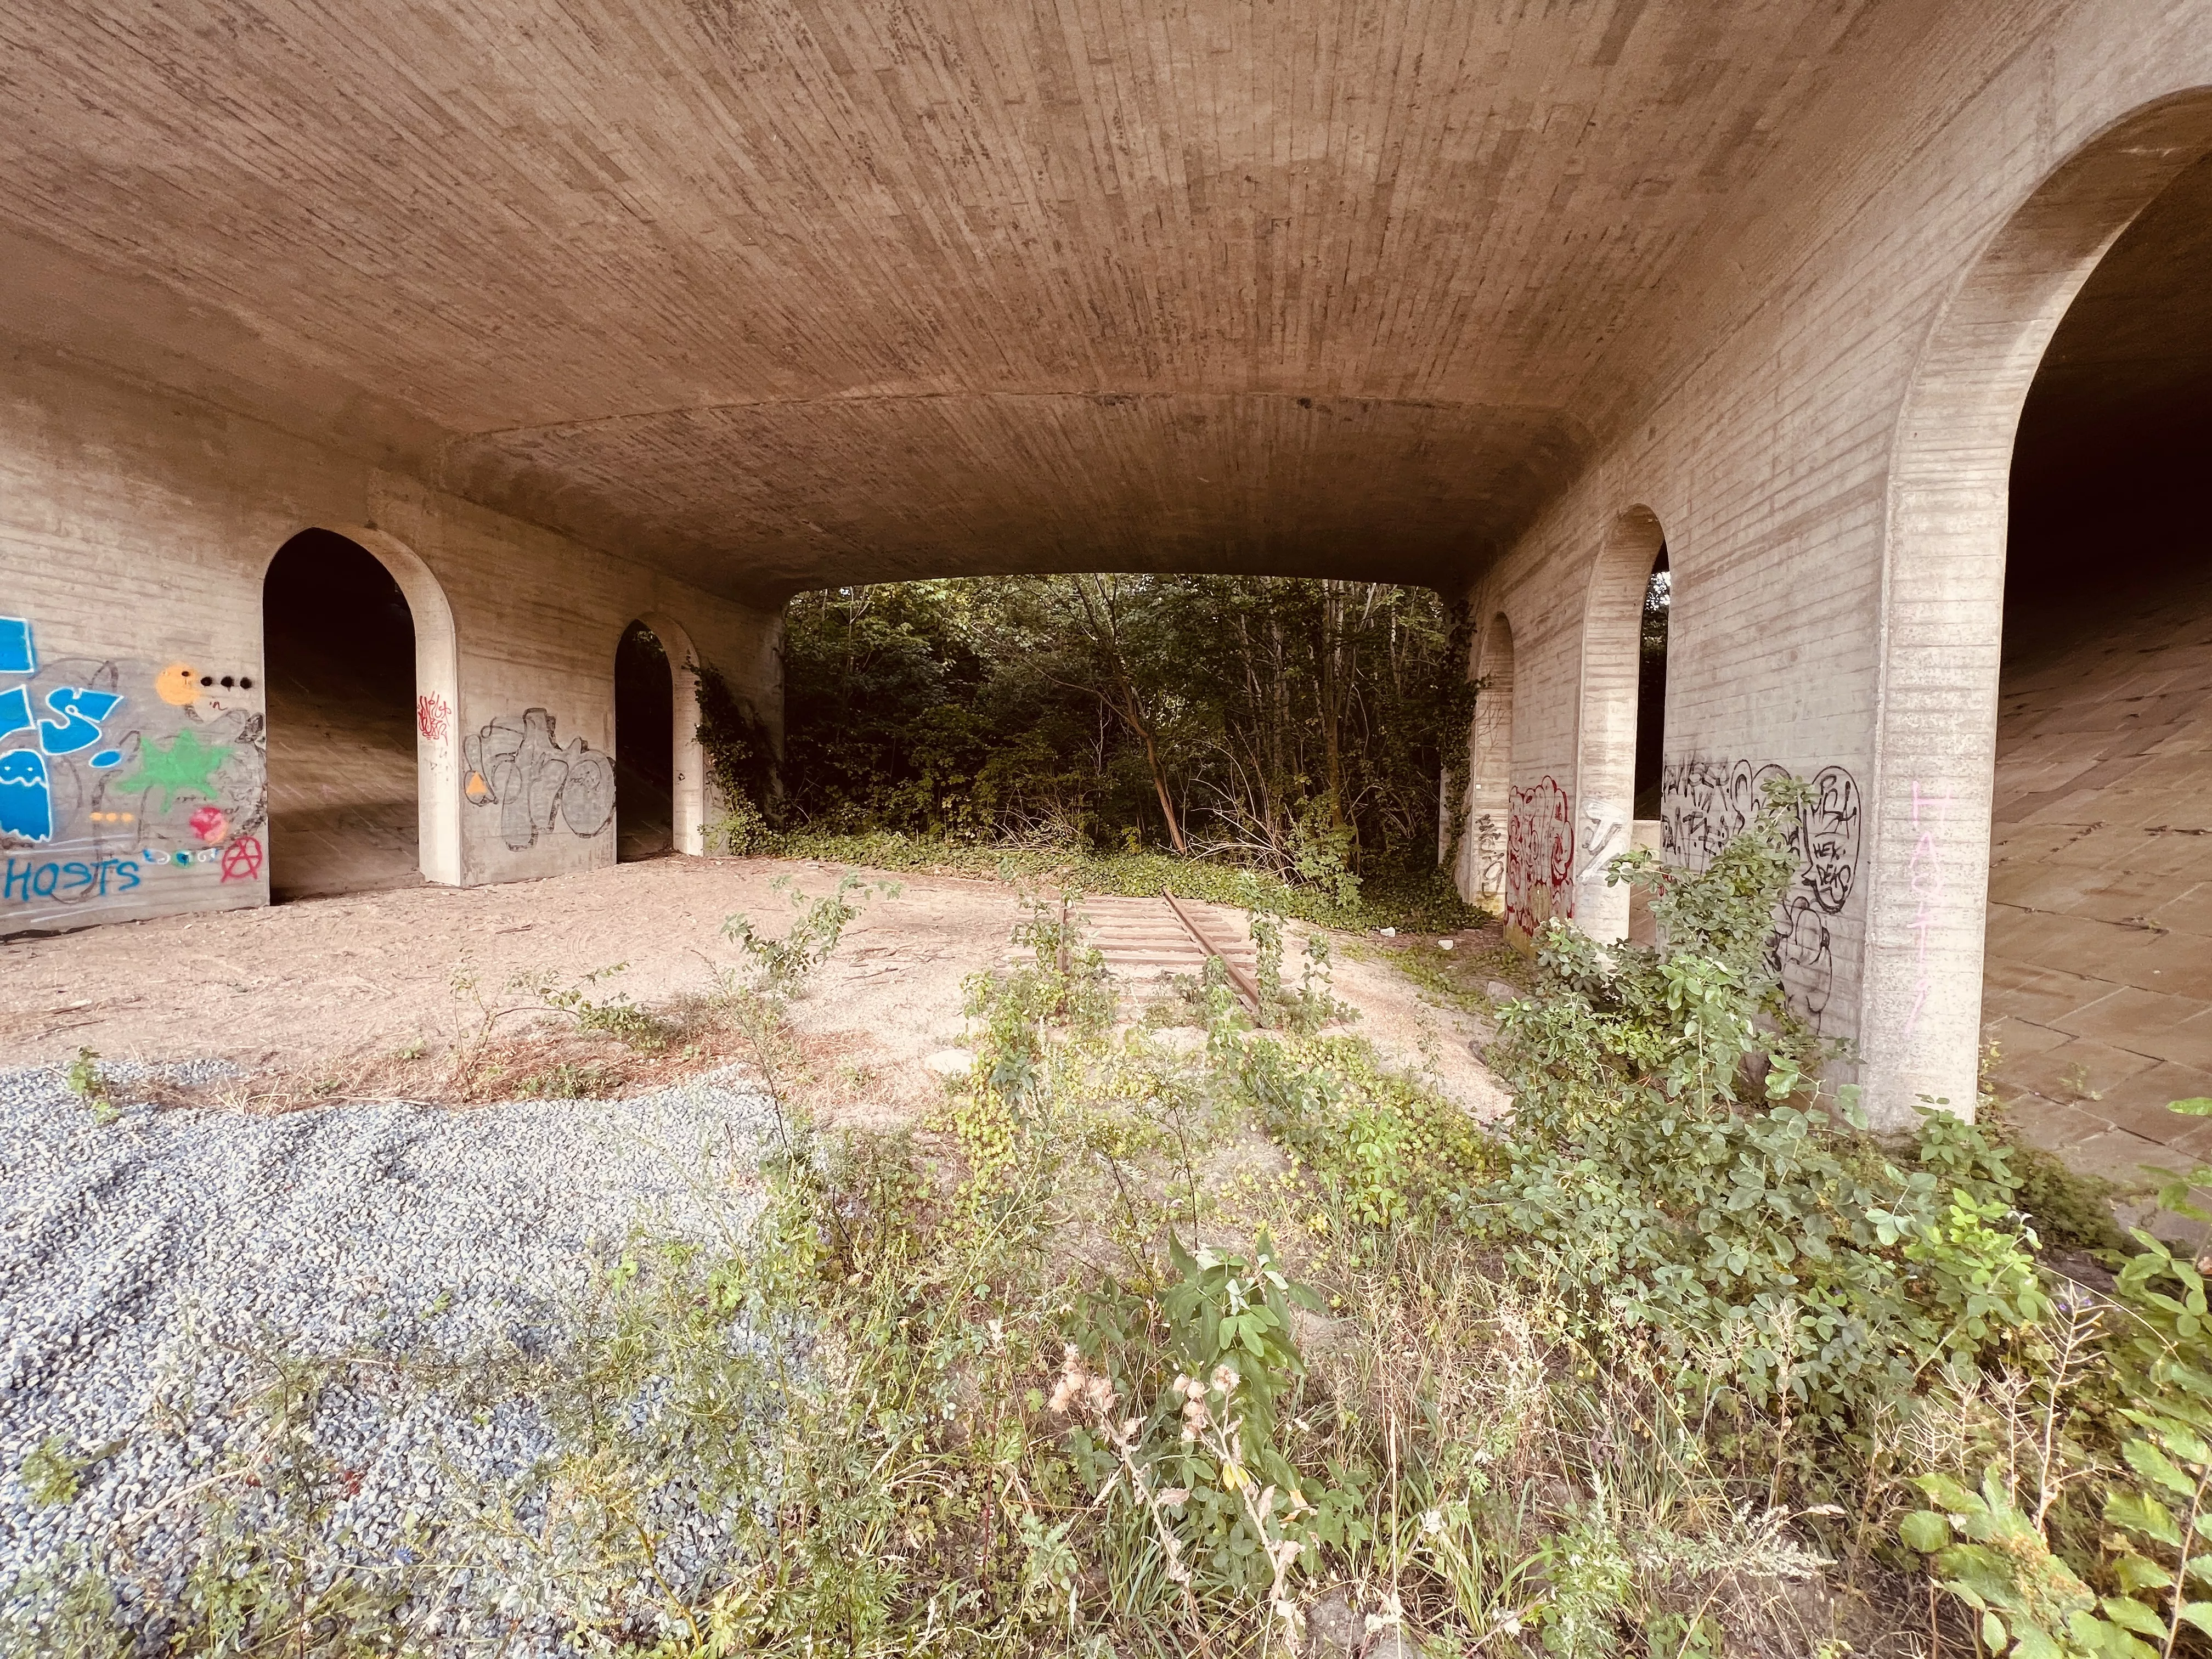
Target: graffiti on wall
112, 770
1924, 875
1539, 857
1486, 854
1705, 803
434, 716
516, 763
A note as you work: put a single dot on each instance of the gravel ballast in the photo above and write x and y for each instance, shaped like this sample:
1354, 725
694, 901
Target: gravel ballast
150, 1267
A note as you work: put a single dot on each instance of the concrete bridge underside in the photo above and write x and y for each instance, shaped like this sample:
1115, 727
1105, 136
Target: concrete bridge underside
572, 317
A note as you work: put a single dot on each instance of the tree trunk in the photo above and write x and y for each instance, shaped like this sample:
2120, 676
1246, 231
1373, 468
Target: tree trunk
1160, 783
1331, 740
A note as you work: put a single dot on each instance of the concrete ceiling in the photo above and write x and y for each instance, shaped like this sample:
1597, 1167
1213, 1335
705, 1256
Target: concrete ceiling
783, 294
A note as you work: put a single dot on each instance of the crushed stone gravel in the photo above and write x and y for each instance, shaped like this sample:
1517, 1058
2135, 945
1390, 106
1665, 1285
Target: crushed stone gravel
149, 1265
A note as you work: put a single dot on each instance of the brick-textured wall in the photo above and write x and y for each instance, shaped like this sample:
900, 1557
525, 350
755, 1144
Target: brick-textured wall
2099, 983
135, 527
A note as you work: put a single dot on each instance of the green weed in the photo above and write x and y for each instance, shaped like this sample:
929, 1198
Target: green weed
784, 964
90, 1084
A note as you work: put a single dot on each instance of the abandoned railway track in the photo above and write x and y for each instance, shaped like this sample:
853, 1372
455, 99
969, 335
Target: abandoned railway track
1160, 938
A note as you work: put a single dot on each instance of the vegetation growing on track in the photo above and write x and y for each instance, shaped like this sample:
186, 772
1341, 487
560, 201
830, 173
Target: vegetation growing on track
1180, 1332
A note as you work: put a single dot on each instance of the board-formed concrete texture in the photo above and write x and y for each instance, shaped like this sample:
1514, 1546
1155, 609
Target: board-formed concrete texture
577, 314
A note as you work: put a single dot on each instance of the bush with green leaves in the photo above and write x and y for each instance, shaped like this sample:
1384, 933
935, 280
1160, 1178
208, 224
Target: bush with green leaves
1312, 1006
1385, 1146
1209, 1447
85, 1080
615, 1016
2103, 1548
1673, 1168
784, 964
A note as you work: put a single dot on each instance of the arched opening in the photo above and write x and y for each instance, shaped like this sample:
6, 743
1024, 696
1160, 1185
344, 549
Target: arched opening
1609, 781
1651, 732
1943, 601
339, 661
645, 728
1652, 687
2098, 976
1490, 771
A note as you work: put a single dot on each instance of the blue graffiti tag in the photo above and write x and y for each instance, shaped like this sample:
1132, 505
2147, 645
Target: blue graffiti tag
26, 789
27, 879
82, 711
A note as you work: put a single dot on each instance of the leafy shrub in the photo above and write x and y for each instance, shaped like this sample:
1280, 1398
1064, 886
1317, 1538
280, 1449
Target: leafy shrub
784, 964
2068, 1209
615, 1016
1788, 1263
1312, 1006
1208, 1450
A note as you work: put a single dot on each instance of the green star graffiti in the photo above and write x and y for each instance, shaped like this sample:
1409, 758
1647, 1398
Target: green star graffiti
185, 767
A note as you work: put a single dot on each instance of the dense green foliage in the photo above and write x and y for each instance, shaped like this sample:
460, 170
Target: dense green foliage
1305, 728
1762, 1245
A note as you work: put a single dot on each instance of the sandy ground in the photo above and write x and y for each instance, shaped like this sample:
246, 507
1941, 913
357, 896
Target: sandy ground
325, 982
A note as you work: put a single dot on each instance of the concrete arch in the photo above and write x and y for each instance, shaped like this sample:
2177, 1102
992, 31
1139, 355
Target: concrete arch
1943, 594
688, 773
438, 719
1605, 740
1490, 769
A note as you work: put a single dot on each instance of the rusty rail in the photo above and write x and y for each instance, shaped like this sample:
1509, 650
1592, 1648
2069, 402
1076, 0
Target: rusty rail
1237, 977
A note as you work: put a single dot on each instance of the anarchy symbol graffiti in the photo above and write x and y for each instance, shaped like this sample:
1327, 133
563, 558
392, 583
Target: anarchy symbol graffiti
241, 859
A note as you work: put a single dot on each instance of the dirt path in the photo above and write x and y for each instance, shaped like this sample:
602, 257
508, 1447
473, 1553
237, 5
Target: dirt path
325, 982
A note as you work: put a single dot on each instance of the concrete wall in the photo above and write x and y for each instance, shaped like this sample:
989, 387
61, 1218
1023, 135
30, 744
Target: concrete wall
134, 528
1829, 468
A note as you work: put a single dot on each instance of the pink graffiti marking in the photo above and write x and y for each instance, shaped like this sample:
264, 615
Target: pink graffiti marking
434, 716
1924, 875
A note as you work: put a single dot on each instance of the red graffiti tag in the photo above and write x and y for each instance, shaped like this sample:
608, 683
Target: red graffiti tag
433, 715
241, 859
1539, 858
